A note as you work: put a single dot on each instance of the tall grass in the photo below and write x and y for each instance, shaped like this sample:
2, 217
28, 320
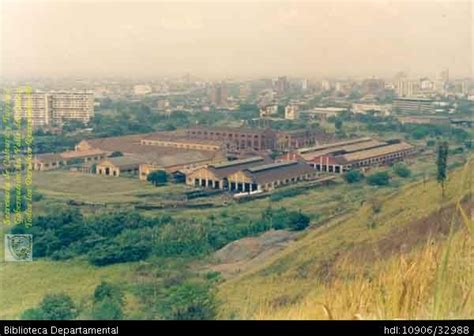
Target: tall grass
433, 280
404, 287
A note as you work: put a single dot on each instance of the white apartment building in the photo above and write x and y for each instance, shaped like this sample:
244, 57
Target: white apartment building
55, 108
407, 87
40, 107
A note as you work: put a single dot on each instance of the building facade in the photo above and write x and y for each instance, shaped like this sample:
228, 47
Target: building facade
55, 108
413, 105
118, 165
346, 155
292, 112
267, 177
214, 176
255, 139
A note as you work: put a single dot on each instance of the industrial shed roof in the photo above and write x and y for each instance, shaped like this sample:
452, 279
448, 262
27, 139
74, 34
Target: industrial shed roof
278, 171
374, 152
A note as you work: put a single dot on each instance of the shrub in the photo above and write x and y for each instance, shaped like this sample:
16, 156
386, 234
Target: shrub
53, 307
401, 170
298, 221
353, 176
189, 301
107, 309
280, 219
379, 179
106, 290
108, 302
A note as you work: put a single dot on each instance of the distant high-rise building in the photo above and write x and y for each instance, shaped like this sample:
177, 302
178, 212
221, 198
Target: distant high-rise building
325, 85
304, 84
218, 95
444, 75
55, 108
282, 85
406, 87
40, 108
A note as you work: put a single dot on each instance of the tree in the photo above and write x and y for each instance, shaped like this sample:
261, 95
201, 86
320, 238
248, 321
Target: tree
338, 124
379, 179
106, 290
401, 170
442, 164
53, 307
107, 309
108, 302
189, 301
353, 176
298, 221
430, 143
157, 177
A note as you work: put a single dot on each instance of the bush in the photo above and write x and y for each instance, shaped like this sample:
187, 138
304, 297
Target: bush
108, 302
298, 221
379, 179
53, 307
186, 238
280, 219
106, 290
189, 301
119, 253
401, 170
353, 176
107, 309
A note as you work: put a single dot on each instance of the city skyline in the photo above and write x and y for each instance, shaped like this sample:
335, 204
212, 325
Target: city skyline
230, 39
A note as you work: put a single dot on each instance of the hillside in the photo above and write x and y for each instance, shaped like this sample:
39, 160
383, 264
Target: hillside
406, 255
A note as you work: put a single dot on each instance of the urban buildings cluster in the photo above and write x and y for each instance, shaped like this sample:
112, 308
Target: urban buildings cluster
235, 160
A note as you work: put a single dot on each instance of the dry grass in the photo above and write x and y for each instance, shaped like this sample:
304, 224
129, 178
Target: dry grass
404, 287
319, 278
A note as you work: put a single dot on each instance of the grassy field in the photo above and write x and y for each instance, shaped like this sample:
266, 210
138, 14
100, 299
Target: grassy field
23, 285
401, 261
60, 187
98, 189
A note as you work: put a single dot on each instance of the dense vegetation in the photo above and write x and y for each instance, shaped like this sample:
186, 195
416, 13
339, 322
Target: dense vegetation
176, 299
353, 176
401, 170
52, 307
128, 236
379, 179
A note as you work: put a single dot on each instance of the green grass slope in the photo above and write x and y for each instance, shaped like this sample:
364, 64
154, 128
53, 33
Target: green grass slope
405, 255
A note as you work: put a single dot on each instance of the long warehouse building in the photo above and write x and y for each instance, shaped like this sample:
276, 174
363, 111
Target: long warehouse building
344, 156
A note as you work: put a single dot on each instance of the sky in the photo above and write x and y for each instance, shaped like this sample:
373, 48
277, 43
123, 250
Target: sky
236, 39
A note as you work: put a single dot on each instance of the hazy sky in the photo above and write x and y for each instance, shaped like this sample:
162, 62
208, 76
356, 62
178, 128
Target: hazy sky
235, 38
